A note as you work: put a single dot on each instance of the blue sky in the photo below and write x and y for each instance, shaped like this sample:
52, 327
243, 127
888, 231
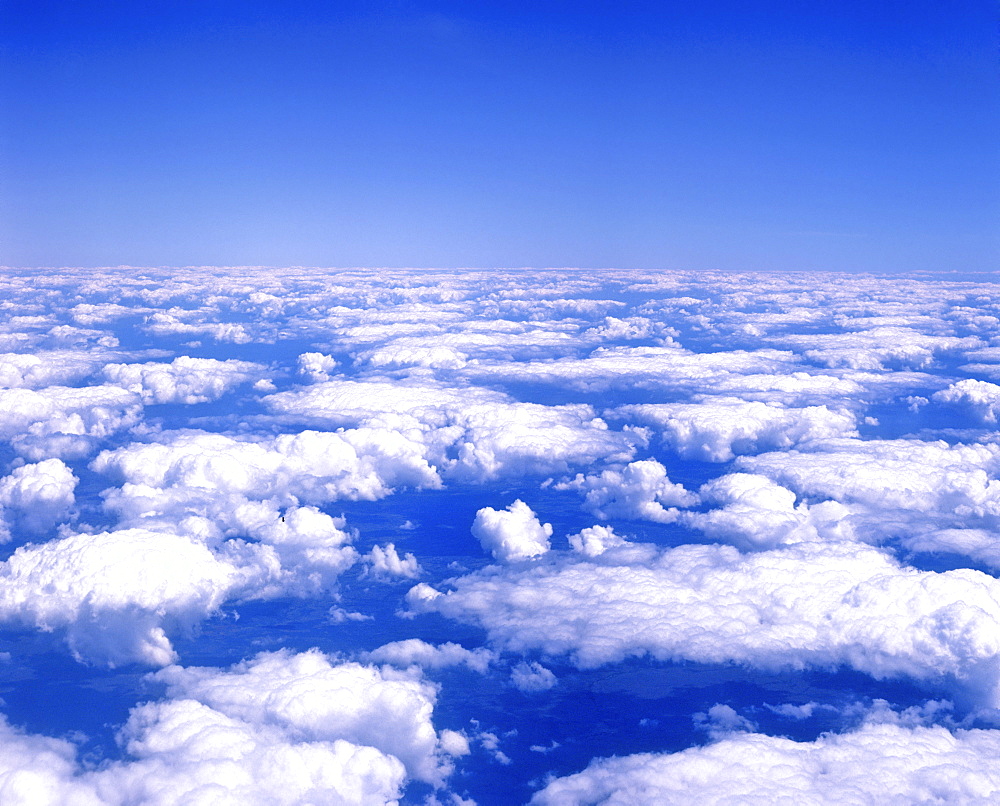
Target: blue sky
846, 136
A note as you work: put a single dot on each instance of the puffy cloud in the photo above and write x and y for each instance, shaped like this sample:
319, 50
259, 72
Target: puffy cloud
170, 323
413, 651
810, 604
640, 490
43, 492
311, 545
722, 720
512, 534
41, 771
470, 434
184, 380
595, 540
115, 595
311, 699
310, 466
714, 429
90, 411
873, 349
878, 763
415, 353
282, 728
47, 367
532, 677
643, 367
903, 473
385, 563
187, 752
982, 397
316, 367
754, 513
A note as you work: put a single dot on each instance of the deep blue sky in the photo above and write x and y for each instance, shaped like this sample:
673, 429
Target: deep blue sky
732, 135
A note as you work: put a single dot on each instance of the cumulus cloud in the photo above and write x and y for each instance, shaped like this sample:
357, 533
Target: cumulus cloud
640, 490
753, 513
595, 540
316, 367
512, 534
878, 763
906, 474
311, 466
413, 651
114, 596
385, 563
668, 367
469, 434
532, 677
42, 493
282, 728
48, 367
89, 411
981, 397
877, 347
184, 380
809, 604
715, 429
311, 699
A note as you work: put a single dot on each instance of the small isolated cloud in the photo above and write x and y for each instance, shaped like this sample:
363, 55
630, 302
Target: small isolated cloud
384, 562
532, 677
512, 534
413, 651
640, 491
41, 493
595, 540
316, 367
721, 721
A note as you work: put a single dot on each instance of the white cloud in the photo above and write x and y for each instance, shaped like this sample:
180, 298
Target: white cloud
470, 434
311, 699
532, 677
282, 728
878, 763
115, 595
873, 349
714, 429
512, 534
187, 752
48, 367
311, 466
640, 490
754, 513
90, 411
184, 380
413, 651
385, 563
809, 604
593, 541
642, 367
903, 473
316, 367
982, 397
43, 492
